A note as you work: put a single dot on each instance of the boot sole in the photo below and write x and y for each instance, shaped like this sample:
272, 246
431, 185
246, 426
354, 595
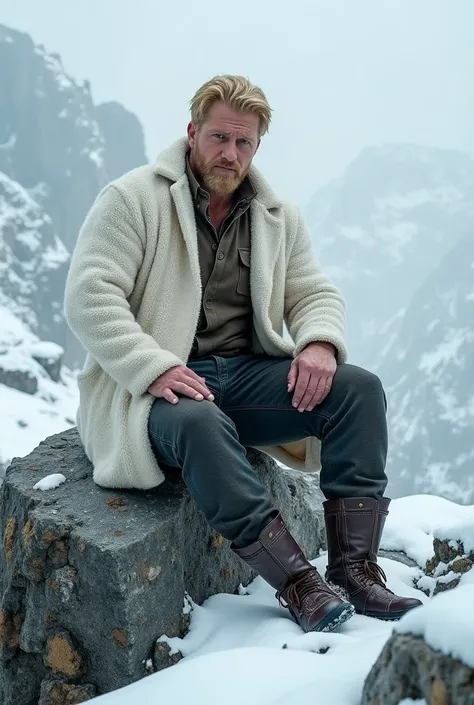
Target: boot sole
385, 617
335, 618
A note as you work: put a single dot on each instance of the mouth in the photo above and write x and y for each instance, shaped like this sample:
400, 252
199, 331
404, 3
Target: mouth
225, 169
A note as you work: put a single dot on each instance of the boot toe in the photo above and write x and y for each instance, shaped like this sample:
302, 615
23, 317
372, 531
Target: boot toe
405, 604
336, 612
397, 608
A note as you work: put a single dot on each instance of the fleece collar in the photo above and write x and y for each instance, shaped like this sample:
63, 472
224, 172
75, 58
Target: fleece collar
171, 163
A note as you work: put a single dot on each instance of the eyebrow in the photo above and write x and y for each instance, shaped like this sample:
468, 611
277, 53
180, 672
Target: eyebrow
228, 133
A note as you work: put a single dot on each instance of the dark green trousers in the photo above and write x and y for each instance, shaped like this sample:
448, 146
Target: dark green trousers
252, 407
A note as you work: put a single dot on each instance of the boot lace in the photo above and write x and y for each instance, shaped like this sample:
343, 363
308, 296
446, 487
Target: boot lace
370, 572
300, 589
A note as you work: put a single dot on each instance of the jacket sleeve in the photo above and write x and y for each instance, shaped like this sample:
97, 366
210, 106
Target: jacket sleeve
314, 307
101, 277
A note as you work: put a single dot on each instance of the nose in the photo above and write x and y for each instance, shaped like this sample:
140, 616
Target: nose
229, 151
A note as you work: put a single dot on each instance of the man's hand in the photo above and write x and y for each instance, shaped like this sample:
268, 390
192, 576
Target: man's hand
311, 375
182, 380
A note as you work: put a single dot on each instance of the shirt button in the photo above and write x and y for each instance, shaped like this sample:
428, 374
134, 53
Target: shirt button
214, 246
207, 303
220, 255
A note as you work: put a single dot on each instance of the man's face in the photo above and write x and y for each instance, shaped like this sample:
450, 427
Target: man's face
223, 147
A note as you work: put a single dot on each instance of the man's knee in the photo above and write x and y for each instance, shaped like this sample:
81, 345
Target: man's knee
359, 381
188, 416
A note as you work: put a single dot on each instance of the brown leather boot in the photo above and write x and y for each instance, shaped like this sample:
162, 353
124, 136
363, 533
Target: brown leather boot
354, 528
279, 560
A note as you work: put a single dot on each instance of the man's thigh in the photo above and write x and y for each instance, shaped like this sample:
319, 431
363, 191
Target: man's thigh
258, 402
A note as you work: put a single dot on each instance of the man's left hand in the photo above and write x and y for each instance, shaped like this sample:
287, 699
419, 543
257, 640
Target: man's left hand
311, 375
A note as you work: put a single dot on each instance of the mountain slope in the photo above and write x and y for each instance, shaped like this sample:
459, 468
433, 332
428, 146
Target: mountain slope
57, 149
429, 377
123, 138
60, 149
383, 227
33, 262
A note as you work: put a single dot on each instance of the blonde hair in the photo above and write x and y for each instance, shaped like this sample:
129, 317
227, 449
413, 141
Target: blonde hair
237, 92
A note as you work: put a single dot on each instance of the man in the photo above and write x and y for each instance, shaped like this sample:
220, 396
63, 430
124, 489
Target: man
183, 276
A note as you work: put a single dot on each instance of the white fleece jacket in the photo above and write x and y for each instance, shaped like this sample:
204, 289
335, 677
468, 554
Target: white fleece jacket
133, 296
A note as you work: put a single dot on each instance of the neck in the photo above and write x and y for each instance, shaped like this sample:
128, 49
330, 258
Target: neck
219, 203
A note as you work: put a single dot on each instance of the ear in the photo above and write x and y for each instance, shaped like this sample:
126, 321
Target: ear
192, 129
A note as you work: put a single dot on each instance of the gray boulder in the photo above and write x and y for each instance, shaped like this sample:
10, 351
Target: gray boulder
20, 377
408, 668
50, 356
90, 578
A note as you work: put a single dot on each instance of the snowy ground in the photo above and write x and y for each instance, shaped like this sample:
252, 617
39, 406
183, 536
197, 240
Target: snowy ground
242, 650
27, 419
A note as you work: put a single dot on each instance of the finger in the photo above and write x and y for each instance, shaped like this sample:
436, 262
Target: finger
327, 389
169, 396
193, 380
292, 375
301, 386
321, 392
309, 394
187, 390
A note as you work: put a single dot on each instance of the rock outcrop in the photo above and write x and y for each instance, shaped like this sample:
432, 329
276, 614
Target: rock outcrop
91, 578
124, 140
450, 562
408, 670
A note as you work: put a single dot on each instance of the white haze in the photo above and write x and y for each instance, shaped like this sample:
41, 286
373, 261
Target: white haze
339, 74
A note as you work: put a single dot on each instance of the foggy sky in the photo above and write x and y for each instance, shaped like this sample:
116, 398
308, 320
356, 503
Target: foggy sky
339, 74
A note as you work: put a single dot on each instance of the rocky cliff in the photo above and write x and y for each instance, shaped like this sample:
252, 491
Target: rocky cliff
60, 149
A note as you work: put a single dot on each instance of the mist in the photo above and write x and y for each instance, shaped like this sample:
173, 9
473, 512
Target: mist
339, 75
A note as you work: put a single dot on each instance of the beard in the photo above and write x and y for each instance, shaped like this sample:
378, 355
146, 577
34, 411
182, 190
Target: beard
216, 181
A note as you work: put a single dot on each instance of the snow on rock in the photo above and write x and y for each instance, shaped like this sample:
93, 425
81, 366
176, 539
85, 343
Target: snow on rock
446, 623
461, 531
46, 349
50, 482
49, 355
419, 661
413, 522
33, 405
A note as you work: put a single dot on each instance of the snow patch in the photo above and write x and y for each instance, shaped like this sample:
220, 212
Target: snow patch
50, 482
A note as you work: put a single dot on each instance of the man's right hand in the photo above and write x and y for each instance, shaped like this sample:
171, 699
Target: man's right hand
180, 380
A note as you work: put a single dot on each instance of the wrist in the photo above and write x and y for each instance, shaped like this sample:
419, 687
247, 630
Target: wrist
322, 344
